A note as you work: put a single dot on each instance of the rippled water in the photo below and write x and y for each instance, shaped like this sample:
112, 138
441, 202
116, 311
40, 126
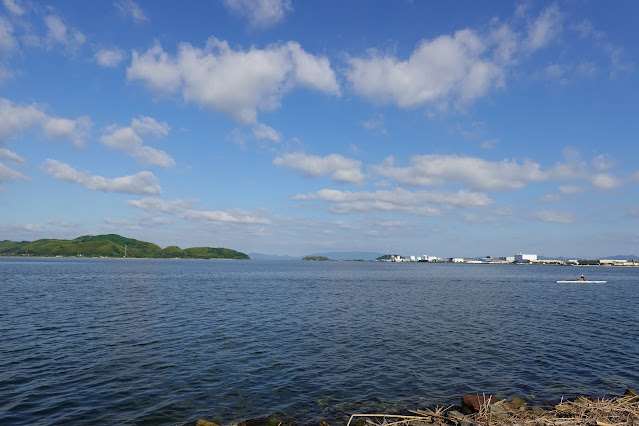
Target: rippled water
168, 341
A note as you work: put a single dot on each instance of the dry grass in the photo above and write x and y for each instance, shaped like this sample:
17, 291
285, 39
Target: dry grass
616, 411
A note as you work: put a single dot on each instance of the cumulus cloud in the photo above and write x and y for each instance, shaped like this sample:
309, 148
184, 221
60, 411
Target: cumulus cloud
341, 169
59, 34
605, 181
130, 10
140, 183
439, 69
129, 140
234, 82
109, 58
17, 119
260, 13
553, 216
479, 174
419, 202
452, 69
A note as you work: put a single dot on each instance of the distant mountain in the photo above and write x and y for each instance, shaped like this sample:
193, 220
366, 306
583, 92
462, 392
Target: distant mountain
111, 245
622, 256
349, 255
262, 256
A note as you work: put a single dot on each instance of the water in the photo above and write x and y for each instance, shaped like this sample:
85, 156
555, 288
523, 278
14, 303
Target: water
171, 341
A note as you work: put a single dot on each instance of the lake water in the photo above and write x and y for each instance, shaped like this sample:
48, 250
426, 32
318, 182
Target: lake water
170, 341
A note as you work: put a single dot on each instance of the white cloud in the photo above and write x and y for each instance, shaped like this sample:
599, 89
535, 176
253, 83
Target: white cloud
260, 13
479, 174
109, 58
399, 199
490, 143
58, 33
544, 29
130, 9
17, 119
571, 189
7, 174
234, 216
375, 124
446, 68
157, 205
140, 183
262, 131
12, 156
14, 7
75, 131
550, 198
234, 82
340, 168
553, 216
7, 42
605, 181
128, 140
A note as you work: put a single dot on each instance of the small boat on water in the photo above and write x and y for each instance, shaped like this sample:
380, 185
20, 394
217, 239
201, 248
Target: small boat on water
581, 280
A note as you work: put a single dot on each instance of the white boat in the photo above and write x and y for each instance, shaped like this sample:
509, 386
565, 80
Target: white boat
581, 282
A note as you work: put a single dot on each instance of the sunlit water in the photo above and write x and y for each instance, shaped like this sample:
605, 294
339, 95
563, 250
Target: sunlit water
170, 341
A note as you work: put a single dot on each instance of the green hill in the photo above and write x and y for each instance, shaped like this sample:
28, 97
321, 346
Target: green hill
111, 245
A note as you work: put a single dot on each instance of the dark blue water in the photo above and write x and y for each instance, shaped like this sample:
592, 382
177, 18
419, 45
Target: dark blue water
170, 341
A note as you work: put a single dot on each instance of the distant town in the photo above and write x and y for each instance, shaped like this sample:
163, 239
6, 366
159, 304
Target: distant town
518, 258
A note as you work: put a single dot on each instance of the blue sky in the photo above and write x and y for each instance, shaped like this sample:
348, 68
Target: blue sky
416, 127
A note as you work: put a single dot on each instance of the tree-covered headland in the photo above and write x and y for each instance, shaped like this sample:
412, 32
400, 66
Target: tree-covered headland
111, 245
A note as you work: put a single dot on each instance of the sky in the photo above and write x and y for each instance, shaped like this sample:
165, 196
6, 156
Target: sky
287, 127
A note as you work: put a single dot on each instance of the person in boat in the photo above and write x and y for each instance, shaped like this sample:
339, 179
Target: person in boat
582, 278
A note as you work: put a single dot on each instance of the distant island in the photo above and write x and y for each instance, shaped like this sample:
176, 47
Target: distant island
316, 258
112, 245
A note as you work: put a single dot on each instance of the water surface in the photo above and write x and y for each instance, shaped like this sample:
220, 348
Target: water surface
170, 341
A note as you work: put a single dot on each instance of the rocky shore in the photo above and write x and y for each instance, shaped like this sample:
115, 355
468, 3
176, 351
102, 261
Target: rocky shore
488, 410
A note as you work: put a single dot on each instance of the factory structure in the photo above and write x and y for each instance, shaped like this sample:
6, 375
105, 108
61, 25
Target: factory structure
519, 258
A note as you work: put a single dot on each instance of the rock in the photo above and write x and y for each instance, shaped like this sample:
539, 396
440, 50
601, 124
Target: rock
498, 411
474, 403
202, 422
459, 418
517, 404
537, 409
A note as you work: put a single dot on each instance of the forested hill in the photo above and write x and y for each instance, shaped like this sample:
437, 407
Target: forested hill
111, 245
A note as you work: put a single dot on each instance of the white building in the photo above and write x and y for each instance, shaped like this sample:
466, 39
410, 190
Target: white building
525, 258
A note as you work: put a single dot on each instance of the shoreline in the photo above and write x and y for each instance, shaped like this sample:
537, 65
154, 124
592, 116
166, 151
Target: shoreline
482, 410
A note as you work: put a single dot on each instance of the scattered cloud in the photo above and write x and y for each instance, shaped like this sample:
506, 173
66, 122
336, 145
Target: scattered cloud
14, 7
59, 34
341, 169
260, 13
17, 119
234, 82
234, 216
375, 124
109, 58
157, 205
140, 183
129, 140
490, 143
544, 29
571, 189
418, 202
7, 174
605, 181
8, 42
129, 9
550, 198
479, 174
553, 216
